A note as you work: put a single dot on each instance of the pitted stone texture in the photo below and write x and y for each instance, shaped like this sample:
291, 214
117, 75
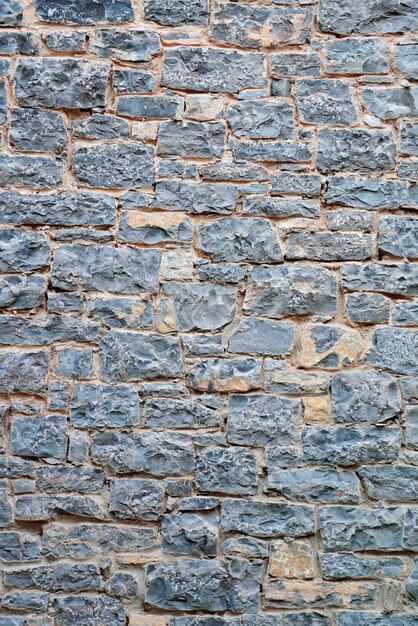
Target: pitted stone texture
132, 499
329, 246
365, 397
342, 17
191, 139
175, 13
131, 45
394, 350
363, 151
398, 237
261, 336
226, 470
39, 437
395, 278
84, 12
366, 193
90, 611
190, 533
326, 102
262, 119
225, 375
23, 371
195, 198
34, 130
357, 56
100, 406
316, 486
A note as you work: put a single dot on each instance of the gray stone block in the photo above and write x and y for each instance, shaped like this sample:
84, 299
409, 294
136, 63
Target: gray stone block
326, 101
54, 479
190, 533
71, 363
357, 56
131, 45
357, 150
38, 172
263, 337
409, 138
394, 350
305, 185
342, 17
100, 126
262, 119
295, 64
173, 413
389, 104
367, 308
395, 278
366, 193
22, 292
34, 130
322, 246
191, 139
319, 486
195, 198
89, 611
26, 601
227, 470
406, 60
280, 207
11, 14
342, 566
81, 12
122, 312
273, 151
137, 500
128, 80
224, 375
24, 372
398, 236
39, 437
365, 397
176, 13
95, 406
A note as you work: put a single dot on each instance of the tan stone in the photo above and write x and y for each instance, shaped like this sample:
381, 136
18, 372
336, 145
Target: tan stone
292, 560
203, 107
147, 131
177, 265
298, 594
344, 349
139, 219
129, 558
147, 620
317, 409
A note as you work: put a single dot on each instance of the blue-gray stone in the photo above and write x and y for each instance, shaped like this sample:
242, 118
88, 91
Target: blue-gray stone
408, 170
178, 487
45, 508
206, 621
280, 207
199, 344
127, 80
60, 83
295, 64
57, 478
195, 584
275, 291
356, 618
154, 453
273, 151
349, 220
391, 103
190, 533
234, 171
95, 406
225, 375
72, 363
409, 137
23, 371
322, 485
260, 336
16, 547
38, 172
122, 312
176, 12
312, 618
11, 14
130, 45
19, 43
395, 278
237, 239
227, 470
170, 168
326, 101
150, 107
394, 350
267, 519
246, 547
355, 150
281, 87
99, 126
282, 458
19, 331
105, 268
387, 529
406, 60
34, 130
198, 503
191, 139
331, 246
262, 119
372, 397
222, 272
177, 413
13, 467
251, 27
78, 447
212, 70
3, 99
398, 236
6, 512
39, 437
58, 396
260, 420
397, 483
122, 165
411, 585
73, 41
342, 17
357, 56
305, 185
195, 198
88, 12
26, 601
132, 499
89, 611
366, 193
346, 446
405, 314
121, 585
367, 308
341, 566
22, 292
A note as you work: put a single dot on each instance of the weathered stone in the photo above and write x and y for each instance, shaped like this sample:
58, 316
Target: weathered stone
290, 290
356, 150
346, 446
357, 618
311, 618
6, 512
398, 279
392, 103
329, 347
96, 406
70, 363
39, 437
55, 479
194, 584
305, 185
152, 107
234, 171
320, 246
66, 41
397, 483
170, 13
132, 499
18, 331
212, 70
406, 59
261, 119
131, 45
100, 127
341, 566
343, 18
22, 292
46, 508
260, 336
280, 207
60, 83
371, 193
11, 14
251, 27
273, 151
195, 198
295, 64
122, 312
297, 594
38, 172
398, 236
154, 453
246, 547
365, 397
357, 56
104, 268
89, 611
326, 101
23, 371
405, 314
25, 601
222, 272
34, 130
173, 413
127, 80
227, 470
225, 375
15, 547
191, 139
316, 485
122, 165
409, 137
267, 519
61, 577
292, 559
394, 350
189, 307
80, 12
350, 220
190, 533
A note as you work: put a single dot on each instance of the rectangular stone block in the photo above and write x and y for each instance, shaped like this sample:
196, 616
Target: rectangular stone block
355, 150
24, 372
325, 486
224, 375
195, 198
396, 278
323, 246
80, 12
299, 594
130, 45
95, 406
39, 437
342, 17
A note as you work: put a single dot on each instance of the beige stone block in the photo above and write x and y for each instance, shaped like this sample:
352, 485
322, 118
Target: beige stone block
147, 131
147, 620
292, 559
203, 107
317, 409
302, 594
177, 265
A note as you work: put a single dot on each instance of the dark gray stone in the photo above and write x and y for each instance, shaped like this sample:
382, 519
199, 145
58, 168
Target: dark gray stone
190, 533
195, 198
345, 446
394, 350
46, 508
342, 17
222, 272
260, 336
60, 83
157, 107
326, 101
405, 314
406, 60
350, 220
174, 413
34, 130
23, 251
89, 611
312, 618
305, 185
66, 42
272, 151
18, 331
176, 12
132, 499
329, 246
6, 512
234, 172
61, 577
356, 150
26, 601
38, 172
84, 12
121, 165
295, 64
71, 363
99, 126
322, 485
11, 14
121, 585
246, 547
396, 483
191, 139
357, 56
95, 406
122, 312
367, 308
389, 104
22, 292
356, 618
55, 479
396, 278
155, 228
127, 80
129, 45
227, 470
280, 207
365, 397
341, 566
16, 547
23, 371
366, 193
398, 236
194, 584
19, 43
39, 437
262, 119
409, 138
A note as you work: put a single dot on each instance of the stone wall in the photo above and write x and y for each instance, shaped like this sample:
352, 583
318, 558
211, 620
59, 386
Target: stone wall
209, 337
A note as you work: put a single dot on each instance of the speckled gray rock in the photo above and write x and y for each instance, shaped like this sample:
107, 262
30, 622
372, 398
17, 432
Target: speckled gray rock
23, 371
45, 508
132, 499
38, 172
345, 529
191, 139
326, 101
295, 64
130, 45
81, 12
190, 533
195, 198
19, 331
368, 17
321, 485
394, 278
262, 119
267, 519
104, 406
398, 236
72, 363
305, 185
128, 356
311, 618
121, 585
26, 601
100, 127
133, 81
280, 207
154, 453
346, 446
66, 42
225, 375
251, 27
260, 336
260, 420
57, 478
348, 220
357, 618
406, 59
89, 611
405, 314
341, 566
391, 103
60, 83
396, 483
236, 239
152, 107
276, 292
409, 137
227, 470
357, 56
105, 268
194, 584
11, 14
121, 165
34, 130
39, 437
173, 413
356, 150
365, 397
212, 69
394, 350
122, 312
329, 246
366, 193
273, 151
175, 12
